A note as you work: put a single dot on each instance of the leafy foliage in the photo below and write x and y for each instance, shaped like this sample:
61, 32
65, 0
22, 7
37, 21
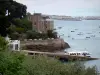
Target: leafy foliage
20, 28
42, 65
3, 44
14, 63
23, 23
31, 34
10, 62
10, 10
51, 34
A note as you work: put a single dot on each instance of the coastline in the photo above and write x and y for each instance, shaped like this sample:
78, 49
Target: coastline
51, 45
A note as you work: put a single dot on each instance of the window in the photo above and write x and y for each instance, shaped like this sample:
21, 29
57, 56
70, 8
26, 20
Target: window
34, 23
16, 46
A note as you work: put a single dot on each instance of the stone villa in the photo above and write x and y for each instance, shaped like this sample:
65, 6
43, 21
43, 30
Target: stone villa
41, 23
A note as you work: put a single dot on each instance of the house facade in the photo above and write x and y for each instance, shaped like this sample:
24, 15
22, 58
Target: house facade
41, 23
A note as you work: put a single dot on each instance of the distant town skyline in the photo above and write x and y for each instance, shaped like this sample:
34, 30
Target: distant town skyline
63, 7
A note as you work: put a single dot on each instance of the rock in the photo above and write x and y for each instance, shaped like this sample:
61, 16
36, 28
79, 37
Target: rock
46, 45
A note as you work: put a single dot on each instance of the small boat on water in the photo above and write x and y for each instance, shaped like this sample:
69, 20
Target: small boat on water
68, 36
92, 35
76, 29
87, 37
79, 53
80, 33
59, 27
89, 33
72, 31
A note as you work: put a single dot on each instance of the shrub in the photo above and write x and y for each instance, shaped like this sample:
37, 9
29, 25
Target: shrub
3, 44
10, 63
48, 66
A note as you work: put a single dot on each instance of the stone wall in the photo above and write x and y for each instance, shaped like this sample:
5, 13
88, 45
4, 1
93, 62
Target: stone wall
50, 45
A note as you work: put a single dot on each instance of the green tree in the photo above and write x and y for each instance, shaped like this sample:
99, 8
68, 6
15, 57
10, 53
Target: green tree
10, 62
15, 36
23, 23
3, 44
9, 10
20, 30
14, 63
20, 26
51, 34
31, 34
42, 65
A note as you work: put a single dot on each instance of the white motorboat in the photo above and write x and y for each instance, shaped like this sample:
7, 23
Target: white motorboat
79, 53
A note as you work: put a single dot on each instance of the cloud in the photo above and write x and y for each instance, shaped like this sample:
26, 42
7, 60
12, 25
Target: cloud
66, 7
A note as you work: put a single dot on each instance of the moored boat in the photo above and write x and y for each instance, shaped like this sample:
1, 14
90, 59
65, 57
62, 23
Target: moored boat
87, 37
79, 53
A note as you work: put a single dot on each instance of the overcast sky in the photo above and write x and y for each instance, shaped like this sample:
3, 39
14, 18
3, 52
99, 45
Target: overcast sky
63, 7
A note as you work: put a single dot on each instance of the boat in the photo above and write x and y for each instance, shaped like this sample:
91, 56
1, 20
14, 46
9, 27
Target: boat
89, 33
80, 33
87, 37
79, 53
76, 29
92, 35
72, 31
59, 27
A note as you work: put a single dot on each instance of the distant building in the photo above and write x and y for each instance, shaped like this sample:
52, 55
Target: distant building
41, 23
49, 25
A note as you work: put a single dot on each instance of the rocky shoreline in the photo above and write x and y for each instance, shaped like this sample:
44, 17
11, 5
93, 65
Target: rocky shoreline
51, 45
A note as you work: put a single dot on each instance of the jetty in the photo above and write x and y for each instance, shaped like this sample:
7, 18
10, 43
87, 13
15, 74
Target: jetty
59, 56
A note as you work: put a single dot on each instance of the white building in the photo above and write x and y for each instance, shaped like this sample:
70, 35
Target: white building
13, 44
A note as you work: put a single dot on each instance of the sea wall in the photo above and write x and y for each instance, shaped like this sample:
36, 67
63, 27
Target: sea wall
50, 45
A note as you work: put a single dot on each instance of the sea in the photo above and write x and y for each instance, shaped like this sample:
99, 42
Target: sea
81, 36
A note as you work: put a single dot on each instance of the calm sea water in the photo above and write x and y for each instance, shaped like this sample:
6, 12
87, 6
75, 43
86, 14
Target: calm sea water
85, 35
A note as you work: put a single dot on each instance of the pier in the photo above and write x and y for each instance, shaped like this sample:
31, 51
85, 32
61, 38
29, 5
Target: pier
60, 56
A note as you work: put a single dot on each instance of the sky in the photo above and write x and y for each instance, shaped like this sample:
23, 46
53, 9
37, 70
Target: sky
63, 7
